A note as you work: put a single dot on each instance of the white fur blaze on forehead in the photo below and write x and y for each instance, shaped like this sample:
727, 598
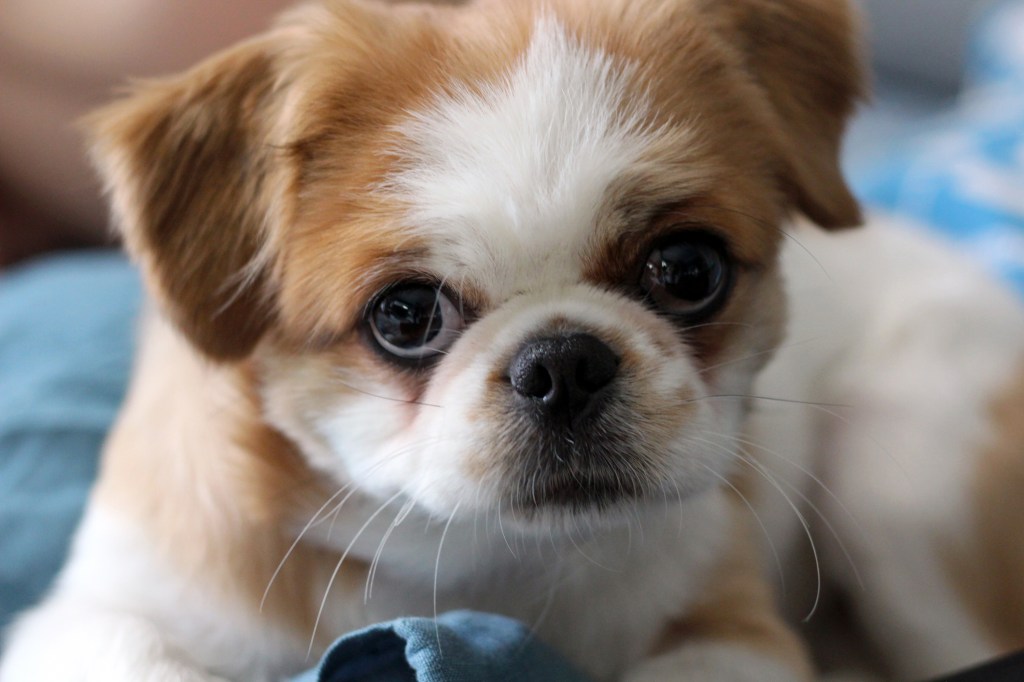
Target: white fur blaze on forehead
514, 172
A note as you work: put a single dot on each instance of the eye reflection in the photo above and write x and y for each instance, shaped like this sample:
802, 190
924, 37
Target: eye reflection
687, 275
414, 321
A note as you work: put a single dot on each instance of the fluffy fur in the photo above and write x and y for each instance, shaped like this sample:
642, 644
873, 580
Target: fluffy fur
275, 480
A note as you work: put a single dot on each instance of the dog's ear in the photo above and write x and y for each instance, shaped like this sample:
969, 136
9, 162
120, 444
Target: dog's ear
191, 165
804, 56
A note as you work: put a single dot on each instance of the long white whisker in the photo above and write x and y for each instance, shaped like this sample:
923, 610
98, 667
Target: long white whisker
437, 568
334, 513
760, 522
831, 529
746, 396
504, 537
392, 399
298, 539
337, 567
767, 351
586, 556
803, 522
810, 474
319, 516
399, 517
822, 407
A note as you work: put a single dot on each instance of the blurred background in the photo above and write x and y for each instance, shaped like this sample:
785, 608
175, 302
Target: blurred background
942, 141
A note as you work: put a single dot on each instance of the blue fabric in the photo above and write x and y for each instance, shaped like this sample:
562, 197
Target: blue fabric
66, 330
462, 646
963, 176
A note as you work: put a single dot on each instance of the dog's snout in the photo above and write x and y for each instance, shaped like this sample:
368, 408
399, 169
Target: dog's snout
562, 375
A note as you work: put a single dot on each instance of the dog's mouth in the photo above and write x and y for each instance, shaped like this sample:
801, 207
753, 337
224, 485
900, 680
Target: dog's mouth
583, 492
568, 473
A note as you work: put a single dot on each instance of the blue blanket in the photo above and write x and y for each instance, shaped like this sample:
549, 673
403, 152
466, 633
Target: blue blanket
462, 646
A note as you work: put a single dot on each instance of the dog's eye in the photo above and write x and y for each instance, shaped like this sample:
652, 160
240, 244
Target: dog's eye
687, 275
414, 321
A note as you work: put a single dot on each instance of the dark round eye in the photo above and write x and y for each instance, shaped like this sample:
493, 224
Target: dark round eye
687, 275
414, 321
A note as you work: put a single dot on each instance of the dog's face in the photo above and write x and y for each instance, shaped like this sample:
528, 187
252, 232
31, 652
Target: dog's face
509, 256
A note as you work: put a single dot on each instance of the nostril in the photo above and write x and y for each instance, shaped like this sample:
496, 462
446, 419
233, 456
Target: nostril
529, 375
536, 381
595, 371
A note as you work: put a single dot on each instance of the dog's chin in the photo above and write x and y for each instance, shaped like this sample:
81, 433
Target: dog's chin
567, 506
557, 474
568, 501
568, 495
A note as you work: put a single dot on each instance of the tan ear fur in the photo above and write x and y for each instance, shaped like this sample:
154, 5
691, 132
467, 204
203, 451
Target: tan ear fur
804, 56
190, 164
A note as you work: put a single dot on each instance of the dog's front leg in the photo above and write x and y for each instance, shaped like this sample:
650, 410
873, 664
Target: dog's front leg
733, 633
119, 614
71, 640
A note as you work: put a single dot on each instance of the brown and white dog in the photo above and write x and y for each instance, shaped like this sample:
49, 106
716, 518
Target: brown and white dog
470, 307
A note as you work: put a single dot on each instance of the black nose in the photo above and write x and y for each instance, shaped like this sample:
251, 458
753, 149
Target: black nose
562, 375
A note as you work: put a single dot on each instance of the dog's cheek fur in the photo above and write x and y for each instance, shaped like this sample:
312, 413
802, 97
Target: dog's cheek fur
346, 408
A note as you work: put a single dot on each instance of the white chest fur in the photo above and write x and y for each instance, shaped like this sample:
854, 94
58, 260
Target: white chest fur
599, 595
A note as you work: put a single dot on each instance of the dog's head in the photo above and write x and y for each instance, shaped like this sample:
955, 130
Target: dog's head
510, 254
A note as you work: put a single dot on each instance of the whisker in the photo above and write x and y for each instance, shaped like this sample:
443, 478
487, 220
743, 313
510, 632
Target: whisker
393, 399
821, 515
587, 556
744, 396
803, 522
402, 513
336, 511
760, 522
504, 537
810, 474
437, 567
309, 524
899, 465
333, 513
549, 601
702, 325
337, 567
767, 351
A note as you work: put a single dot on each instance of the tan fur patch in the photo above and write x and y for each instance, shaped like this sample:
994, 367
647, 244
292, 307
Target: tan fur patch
738, 607
987, 568
215, 488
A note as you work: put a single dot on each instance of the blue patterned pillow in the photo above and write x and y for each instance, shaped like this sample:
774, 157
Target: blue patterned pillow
965, 175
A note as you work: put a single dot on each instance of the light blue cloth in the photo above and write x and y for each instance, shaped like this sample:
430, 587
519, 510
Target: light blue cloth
66, 330
462, 646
